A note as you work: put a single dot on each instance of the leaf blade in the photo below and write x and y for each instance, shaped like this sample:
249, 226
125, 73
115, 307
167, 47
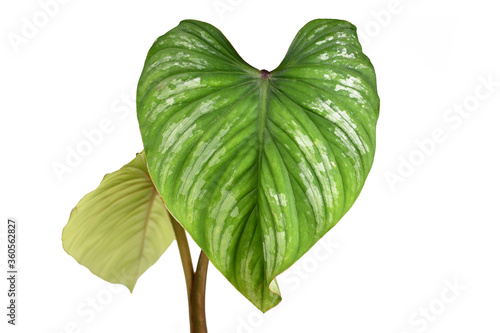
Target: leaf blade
263, 166
120, 229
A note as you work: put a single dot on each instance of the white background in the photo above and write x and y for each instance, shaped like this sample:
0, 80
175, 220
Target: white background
427, 218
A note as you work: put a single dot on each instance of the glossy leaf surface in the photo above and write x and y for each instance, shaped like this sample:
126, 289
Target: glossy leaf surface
121, 228
258, 166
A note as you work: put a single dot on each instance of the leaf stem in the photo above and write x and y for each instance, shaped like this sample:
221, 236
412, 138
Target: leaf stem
187, 263
196, 282
197, 308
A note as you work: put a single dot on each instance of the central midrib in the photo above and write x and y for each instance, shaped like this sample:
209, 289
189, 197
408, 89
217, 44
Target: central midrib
264, 89
262, 118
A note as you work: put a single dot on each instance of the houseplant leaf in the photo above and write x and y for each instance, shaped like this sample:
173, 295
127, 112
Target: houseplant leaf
121, 228
258, 166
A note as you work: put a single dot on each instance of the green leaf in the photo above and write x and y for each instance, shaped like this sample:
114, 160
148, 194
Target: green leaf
256, 166
121, 228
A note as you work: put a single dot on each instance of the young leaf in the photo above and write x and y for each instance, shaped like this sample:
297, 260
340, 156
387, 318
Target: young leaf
258, 166
121, 228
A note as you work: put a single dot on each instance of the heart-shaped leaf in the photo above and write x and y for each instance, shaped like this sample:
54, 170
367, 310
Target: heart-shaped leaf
258, 166
121, 228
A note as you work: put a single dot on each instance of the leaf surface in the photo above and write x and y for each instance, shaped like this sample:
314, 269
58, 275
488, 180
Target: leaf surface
121, 228
258, 166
